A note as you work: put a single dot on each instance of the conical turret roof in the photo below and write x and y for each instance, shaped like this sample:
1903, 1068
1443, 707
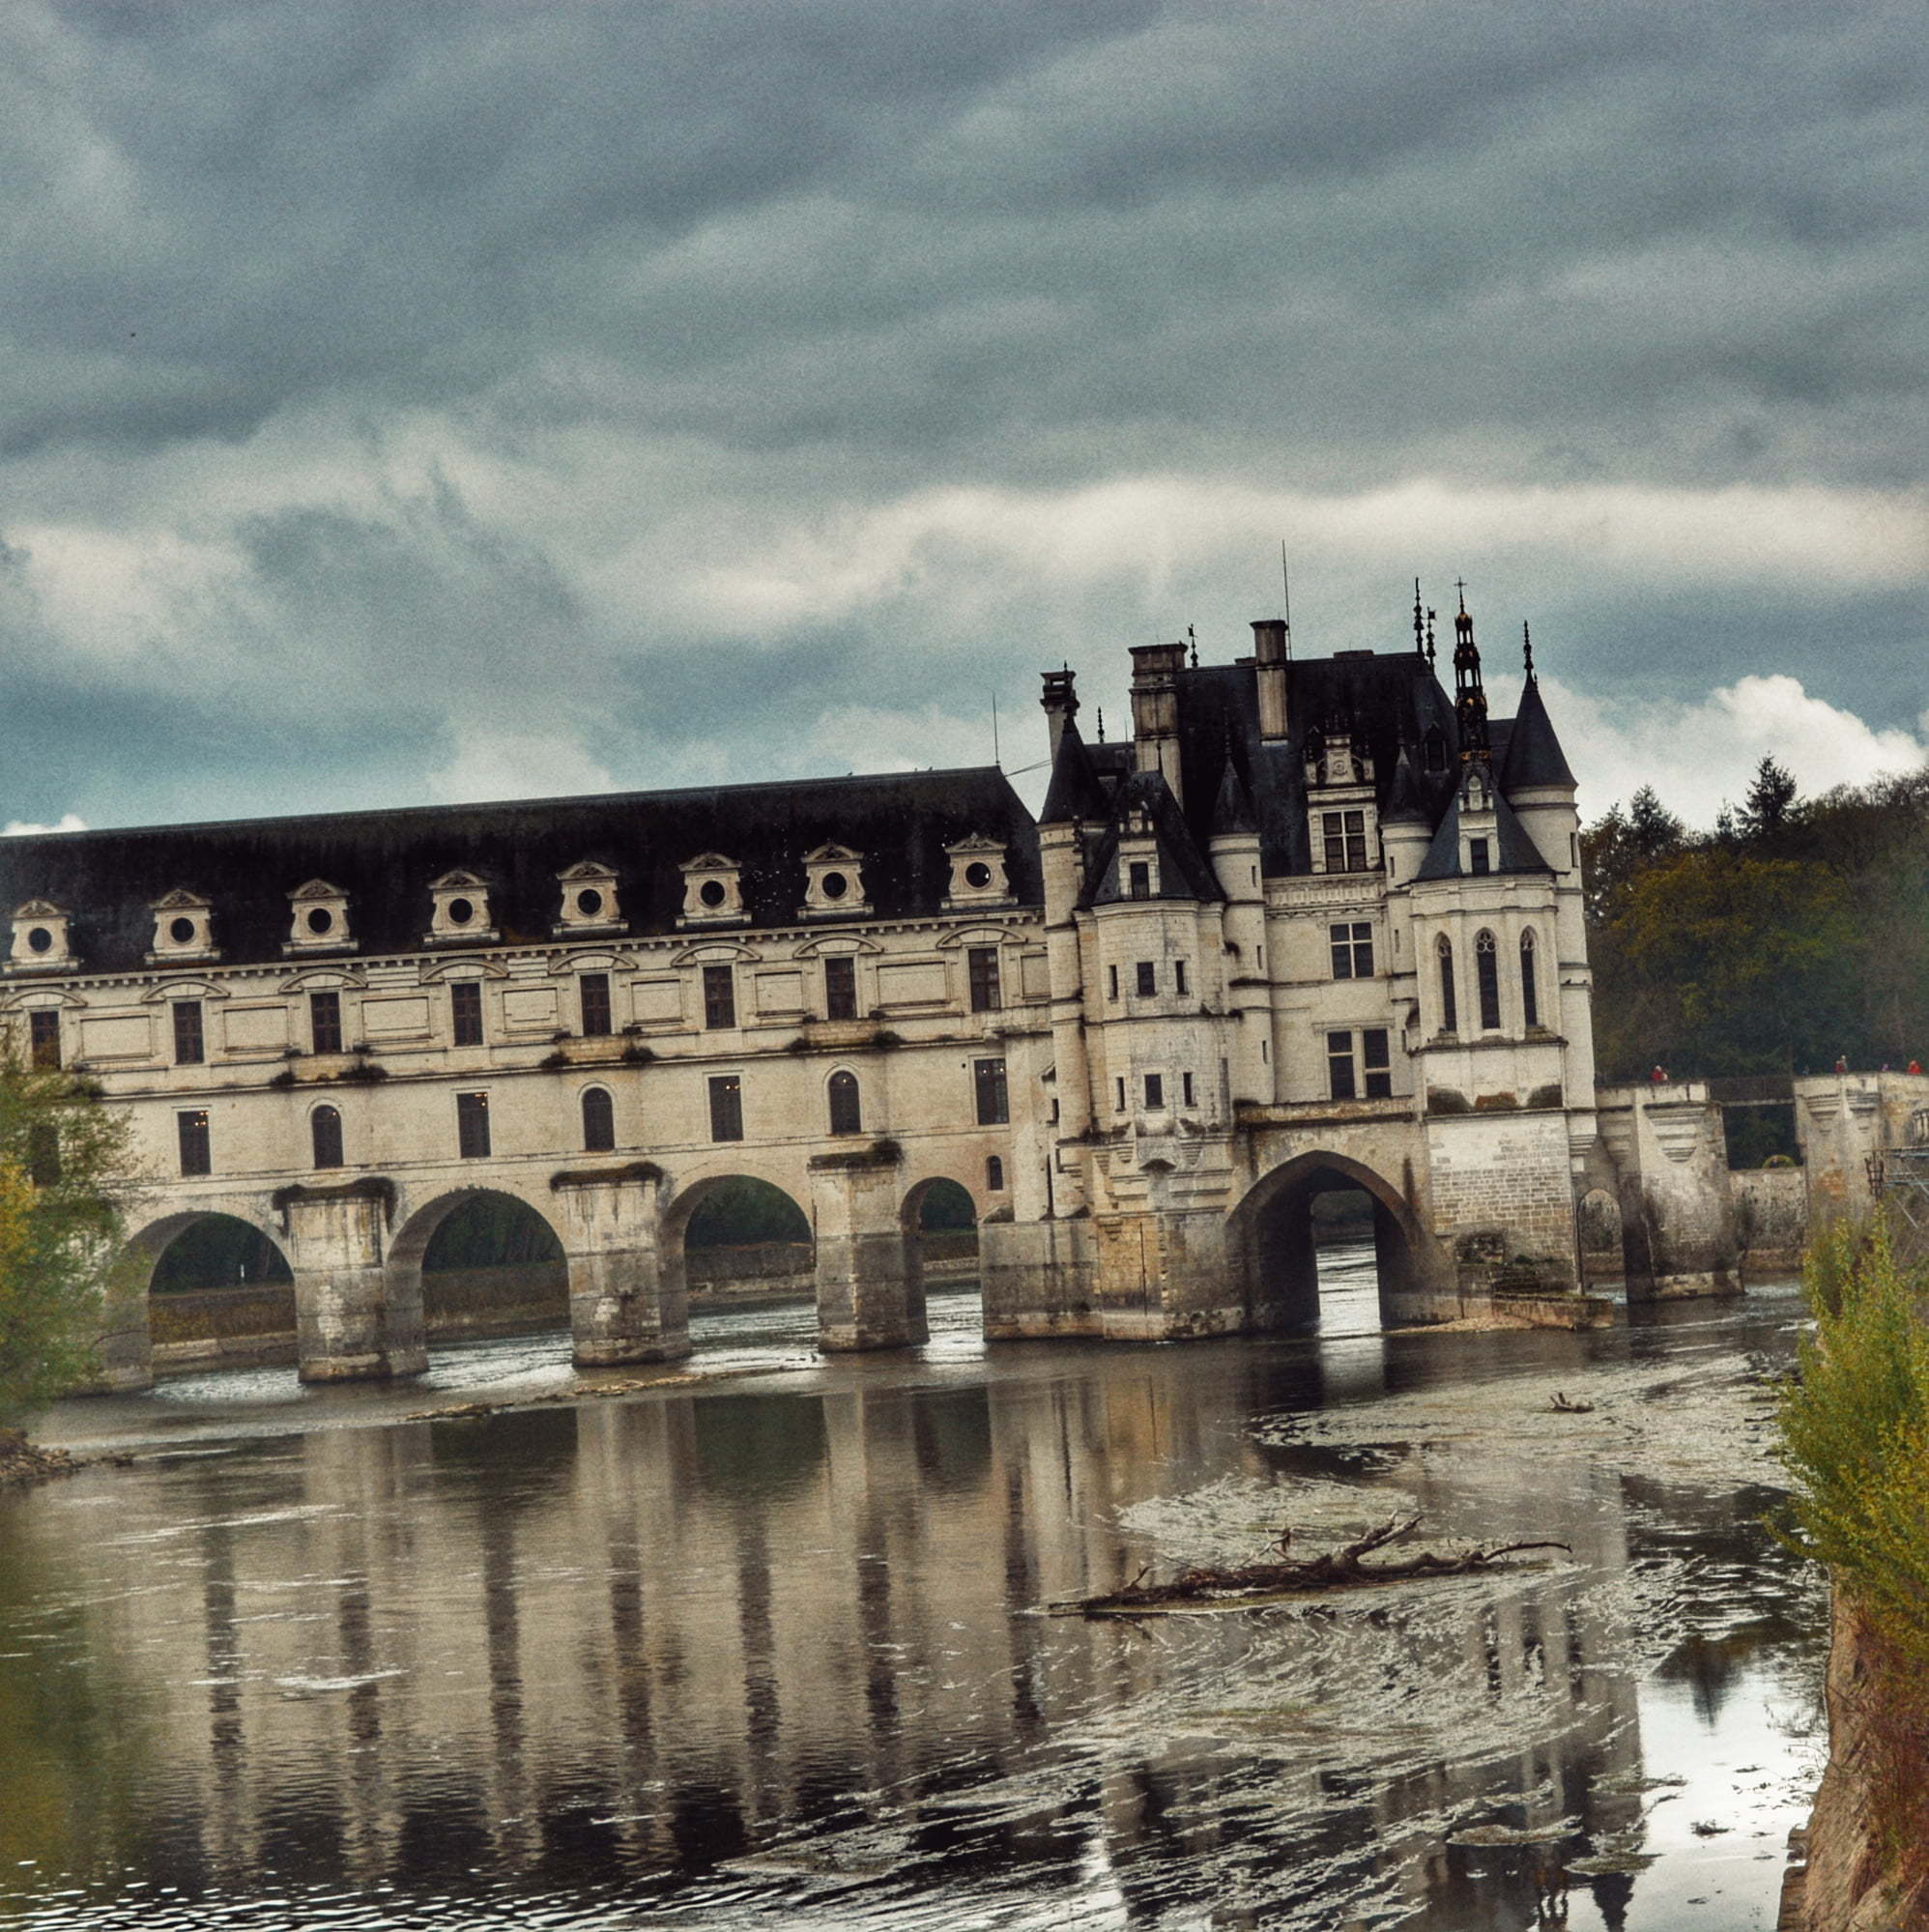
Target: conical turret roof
1232, 808
1533, 755
1075, 792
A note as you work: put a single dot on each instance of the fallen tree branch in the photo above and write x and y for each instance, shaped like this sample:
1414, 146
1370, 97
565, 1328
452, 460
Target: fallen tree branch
1342, 1569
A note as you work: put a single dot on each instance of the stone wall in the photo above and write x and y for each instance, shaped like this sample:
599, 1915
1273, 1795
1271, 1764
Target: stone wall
1771, 1219
1501, 1190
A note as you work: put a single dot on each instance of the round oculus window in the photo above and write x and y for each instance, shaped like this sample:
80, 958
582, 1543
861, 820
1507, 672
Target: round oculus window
460, 912
835, 885
40, 940
977, 875
711, 892
589, 903
181, 931
321, 920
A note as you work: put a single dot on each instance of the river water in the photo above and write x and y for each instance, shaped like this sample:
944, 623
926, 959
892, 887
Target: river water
764, 1645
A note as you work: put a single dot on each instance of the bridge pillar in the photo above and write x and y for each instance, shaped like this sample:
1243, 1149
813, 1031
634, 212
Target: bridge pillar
125, 1351
1670, 1160
870, 1290
353, 1323
625, 1304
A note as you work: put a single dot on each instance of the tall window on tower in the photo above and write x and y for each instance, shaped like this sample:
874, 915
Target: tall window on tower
1449, 1005
839, 988
1487, 970
1530, 992
1352, 945
1344, 837
465, 1012
719, 996
325, 1022
595, 989
983, 962
188, 1048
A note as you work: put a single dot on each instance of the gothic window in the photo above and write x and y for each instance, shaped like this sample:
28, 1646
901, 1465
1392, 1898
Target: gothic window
1486, 969
988, 1079
1339, 1066
471, 1126
840, 988
719, 998
1449, 1006
595, 989
325, 1131
1155, 1090
192, 1128
845, 1107
726, 1107
325, 1024
1530, 992
1376, 1063
1352, 943
465, 1008
599, 1121
43, 1036
983, 962
188, 1049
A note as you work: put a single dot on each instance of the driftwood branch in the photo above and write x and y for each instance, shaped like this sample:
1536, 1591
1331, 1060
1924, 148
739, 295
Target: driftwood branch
1343, 1569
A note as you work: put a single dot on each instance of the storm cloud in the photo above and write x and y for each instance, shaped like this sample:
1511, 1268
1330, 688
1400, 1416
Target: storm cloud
407, 401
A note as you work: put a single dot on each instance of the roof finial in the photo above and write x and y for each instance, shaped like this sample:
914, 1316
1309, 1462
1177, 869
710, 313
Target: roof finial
1431, 653
1527, 650
1102, 724
1460, 585
1192, 638
1419, 634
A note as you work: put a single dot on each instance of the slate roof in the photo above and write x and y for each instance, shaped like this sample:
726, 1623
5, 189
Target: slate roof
1075, 792
1515, 851
384, 861
1183, 870
1532, 755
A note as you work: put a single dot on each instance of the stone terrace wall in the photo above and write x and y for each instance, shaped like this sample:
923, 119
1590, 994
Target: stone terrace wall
1771, 1219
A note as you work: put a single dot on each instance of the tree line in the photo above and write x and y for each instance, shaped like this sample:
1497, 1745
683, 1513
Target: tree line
1793, 935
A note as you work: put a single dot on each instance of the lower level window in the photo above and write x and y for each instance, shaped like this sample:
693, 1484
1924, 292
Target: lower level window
995, 1174
471, 1126
726, 1107
194, 1131
325, 1131
1376, 1063
599, 1121
989, 1081
1339, 1066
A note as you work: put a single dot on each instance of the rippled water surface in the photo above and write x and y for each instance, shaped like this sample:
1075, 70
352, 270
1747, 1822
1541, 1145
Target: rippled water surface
763, 1646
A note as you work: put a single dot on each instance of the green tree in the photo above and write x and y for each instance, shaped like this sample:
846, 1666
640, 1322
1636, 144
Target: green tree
1770, 800
67, 1179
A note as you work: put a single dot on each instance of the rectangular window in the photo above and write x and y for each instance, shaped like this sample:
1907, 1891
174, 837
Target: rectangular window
1111, 980
719, 997
983, 968
43, 1036
193, 1130
465, 1006
1339, 1066
594, 991
1352, 944
324, 1023
188, 1047
1120, 1101
471, 1126
1155, 1090
1148, 978
840, 988
1185, 1091
1343, 835
726, 1107
1178, 975
1138, 876
1376, 1063
989, 1079
1476, 856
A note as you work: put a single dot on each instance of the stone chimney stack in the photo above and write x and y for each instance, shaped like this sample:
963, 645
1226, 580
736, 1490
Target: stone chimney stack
1269, 650
1061, 704
1155, 709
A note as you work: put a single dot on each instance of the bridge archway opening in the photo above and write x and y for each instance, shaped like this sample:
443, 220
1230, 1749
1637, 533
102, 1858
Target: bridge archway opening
1598, 1226
940, 1223
483, 1264
215, 1281
744, 1238
1326, 1242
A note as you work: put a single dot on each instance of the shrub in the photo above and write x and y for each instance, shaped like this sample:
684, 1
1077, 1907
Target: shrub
362, 1072
551, 1062
285, 1078
636, 1054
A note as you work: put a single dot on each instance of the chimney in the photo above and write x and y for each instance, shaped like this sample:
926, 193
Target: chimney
1061, 704
1155, 709
1269, 650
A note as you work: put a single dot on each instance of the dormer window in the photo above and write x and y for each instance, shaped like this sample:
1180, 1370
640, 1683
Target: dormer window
977, 873
183, 928
1139, 878
833, 883
712, 891
41, 942
461, 910
589, 901
1478, 857
320, 919
1342, 841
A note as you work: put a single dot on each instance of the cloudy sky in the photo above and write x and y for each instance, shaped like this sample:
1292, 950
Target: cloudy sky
425, 401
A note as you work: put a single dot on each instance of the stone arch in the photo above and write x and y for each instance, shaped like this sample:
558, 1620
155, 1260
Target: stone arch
940, 1256
127, 1339
1270, 1239
673, 1241
1598, 1235
408, 1249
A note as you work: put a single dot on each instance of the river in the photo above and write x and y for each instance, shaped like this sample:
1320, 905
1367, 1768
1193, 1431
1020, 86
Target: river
763, 1646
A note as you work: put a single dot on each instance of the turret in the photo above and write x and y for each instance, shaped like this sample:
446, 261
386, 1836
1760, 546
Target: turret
1234, 847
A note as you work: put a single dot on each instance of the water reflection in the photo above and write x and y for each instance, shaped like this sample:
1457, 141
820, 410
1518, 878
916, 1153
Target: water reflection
743, 1657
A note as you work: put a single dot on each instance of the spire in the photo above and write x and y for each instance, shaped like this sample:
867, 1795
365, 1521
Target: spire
1404, 804
1429, 637
1232, 808
1470, 697
1419, 631
1074, 792
1527, 652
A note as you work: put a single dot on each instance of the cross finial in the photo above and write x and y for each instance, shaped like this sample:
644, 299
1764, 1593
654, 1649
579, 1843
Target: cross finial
1527, 649
1192, 637
1460, 585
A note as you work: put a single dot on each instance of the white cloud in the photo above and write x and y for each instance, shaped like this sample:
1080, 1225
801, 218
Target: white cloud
491, 763
67, 821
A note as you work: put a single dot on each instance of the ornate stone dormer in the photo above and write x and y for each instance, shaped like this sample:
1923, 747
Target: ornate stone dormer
589, 903
1343, 821
183, 928
461, 910
320, 913
977, 873
833, 883
712, 891
42, 941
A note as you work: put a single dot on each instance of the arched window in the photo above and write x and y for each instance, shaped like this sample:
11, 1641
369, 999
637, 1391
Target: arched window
1530, 993
1487, 970
995, 1174
599, 1121
846, 1116
1450, 1007
324, 1127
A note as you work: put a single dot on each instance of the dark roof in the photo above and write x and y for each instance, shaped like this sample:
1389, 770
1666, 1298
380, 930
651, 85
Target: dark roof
1232, 809
1406, 802
1515, 851
1533, 754
1183, 872
1075, 792
386, 860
